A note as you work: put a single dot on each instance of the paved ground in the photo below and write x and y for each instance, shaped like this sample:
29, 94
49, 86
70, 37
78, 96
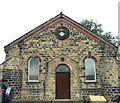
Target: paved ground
47, 102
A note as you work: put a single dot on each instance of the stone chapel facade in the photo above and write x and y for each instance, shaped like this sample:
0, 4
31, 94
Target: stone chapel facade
61, 59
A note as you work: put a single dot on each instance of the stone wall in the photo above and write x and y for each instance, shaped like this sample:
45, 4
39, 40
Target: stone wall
14, 79
109, 76
12, 72
49, 49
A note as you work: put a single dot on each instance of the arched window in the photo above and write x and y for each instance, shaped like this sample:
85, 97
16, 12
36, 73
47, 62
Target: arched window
33, 69
90, 72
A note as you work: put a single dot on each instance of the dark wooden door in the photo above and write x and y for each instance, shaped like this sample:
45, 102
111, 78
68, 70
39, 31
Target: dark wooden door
62, 85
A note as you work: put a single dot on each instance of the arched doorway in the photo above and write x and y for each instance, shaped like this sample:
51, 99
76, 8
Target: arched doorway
62, 82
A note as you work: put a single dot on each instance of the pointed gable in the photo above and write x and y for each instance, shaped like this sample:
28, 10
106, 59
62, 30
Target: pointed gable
60, 17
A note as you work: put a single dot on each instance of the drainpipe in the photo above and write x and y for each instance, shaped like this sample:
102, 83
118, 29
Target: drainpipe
119, 42
119, 30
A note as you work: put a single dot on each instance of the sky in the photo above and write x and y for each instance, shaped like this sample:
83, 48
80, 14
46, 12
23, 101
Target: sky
18, 17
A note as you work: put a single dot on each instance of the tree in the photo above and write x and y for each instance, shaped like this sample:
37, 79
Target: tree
92, 25
108, 36
97, 29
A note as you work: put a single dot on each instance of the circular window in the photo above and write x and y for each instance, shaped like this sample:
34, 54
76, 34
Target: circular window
62, 33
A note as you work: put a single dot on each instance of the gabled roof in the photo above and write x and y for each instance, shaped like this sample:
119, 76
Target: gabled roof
56, 19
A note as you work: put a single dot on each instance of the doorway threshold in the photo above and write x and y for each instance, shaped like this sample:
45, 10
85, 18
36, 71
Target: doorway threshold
62, 100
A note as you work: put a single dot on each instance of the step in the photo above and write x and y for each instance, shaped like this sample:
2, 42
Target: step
47, 102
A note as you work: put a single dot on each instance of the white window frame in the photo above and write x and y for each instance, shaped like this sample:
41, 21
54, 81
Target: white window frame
29, 70
94, 71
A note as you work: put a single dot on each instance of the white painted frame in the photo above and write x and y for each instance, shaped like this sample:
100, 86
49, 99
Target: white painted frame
30, 71
94, 64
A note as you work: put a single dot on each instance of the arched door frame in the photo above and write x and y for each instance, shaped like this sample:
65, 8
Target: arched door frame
62, 82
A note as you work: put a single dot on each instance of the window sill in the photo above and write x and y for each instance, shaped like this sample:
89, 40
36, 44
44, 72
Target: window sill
31, 82
90, 82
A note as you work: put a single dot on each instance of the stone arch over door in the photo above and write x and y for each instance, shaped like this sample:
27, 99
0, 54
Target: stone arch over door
50, 82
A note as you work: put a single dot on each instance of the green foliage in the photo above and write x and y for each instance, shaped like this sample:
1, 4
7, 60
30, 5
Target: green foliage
97, 29
93, 26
